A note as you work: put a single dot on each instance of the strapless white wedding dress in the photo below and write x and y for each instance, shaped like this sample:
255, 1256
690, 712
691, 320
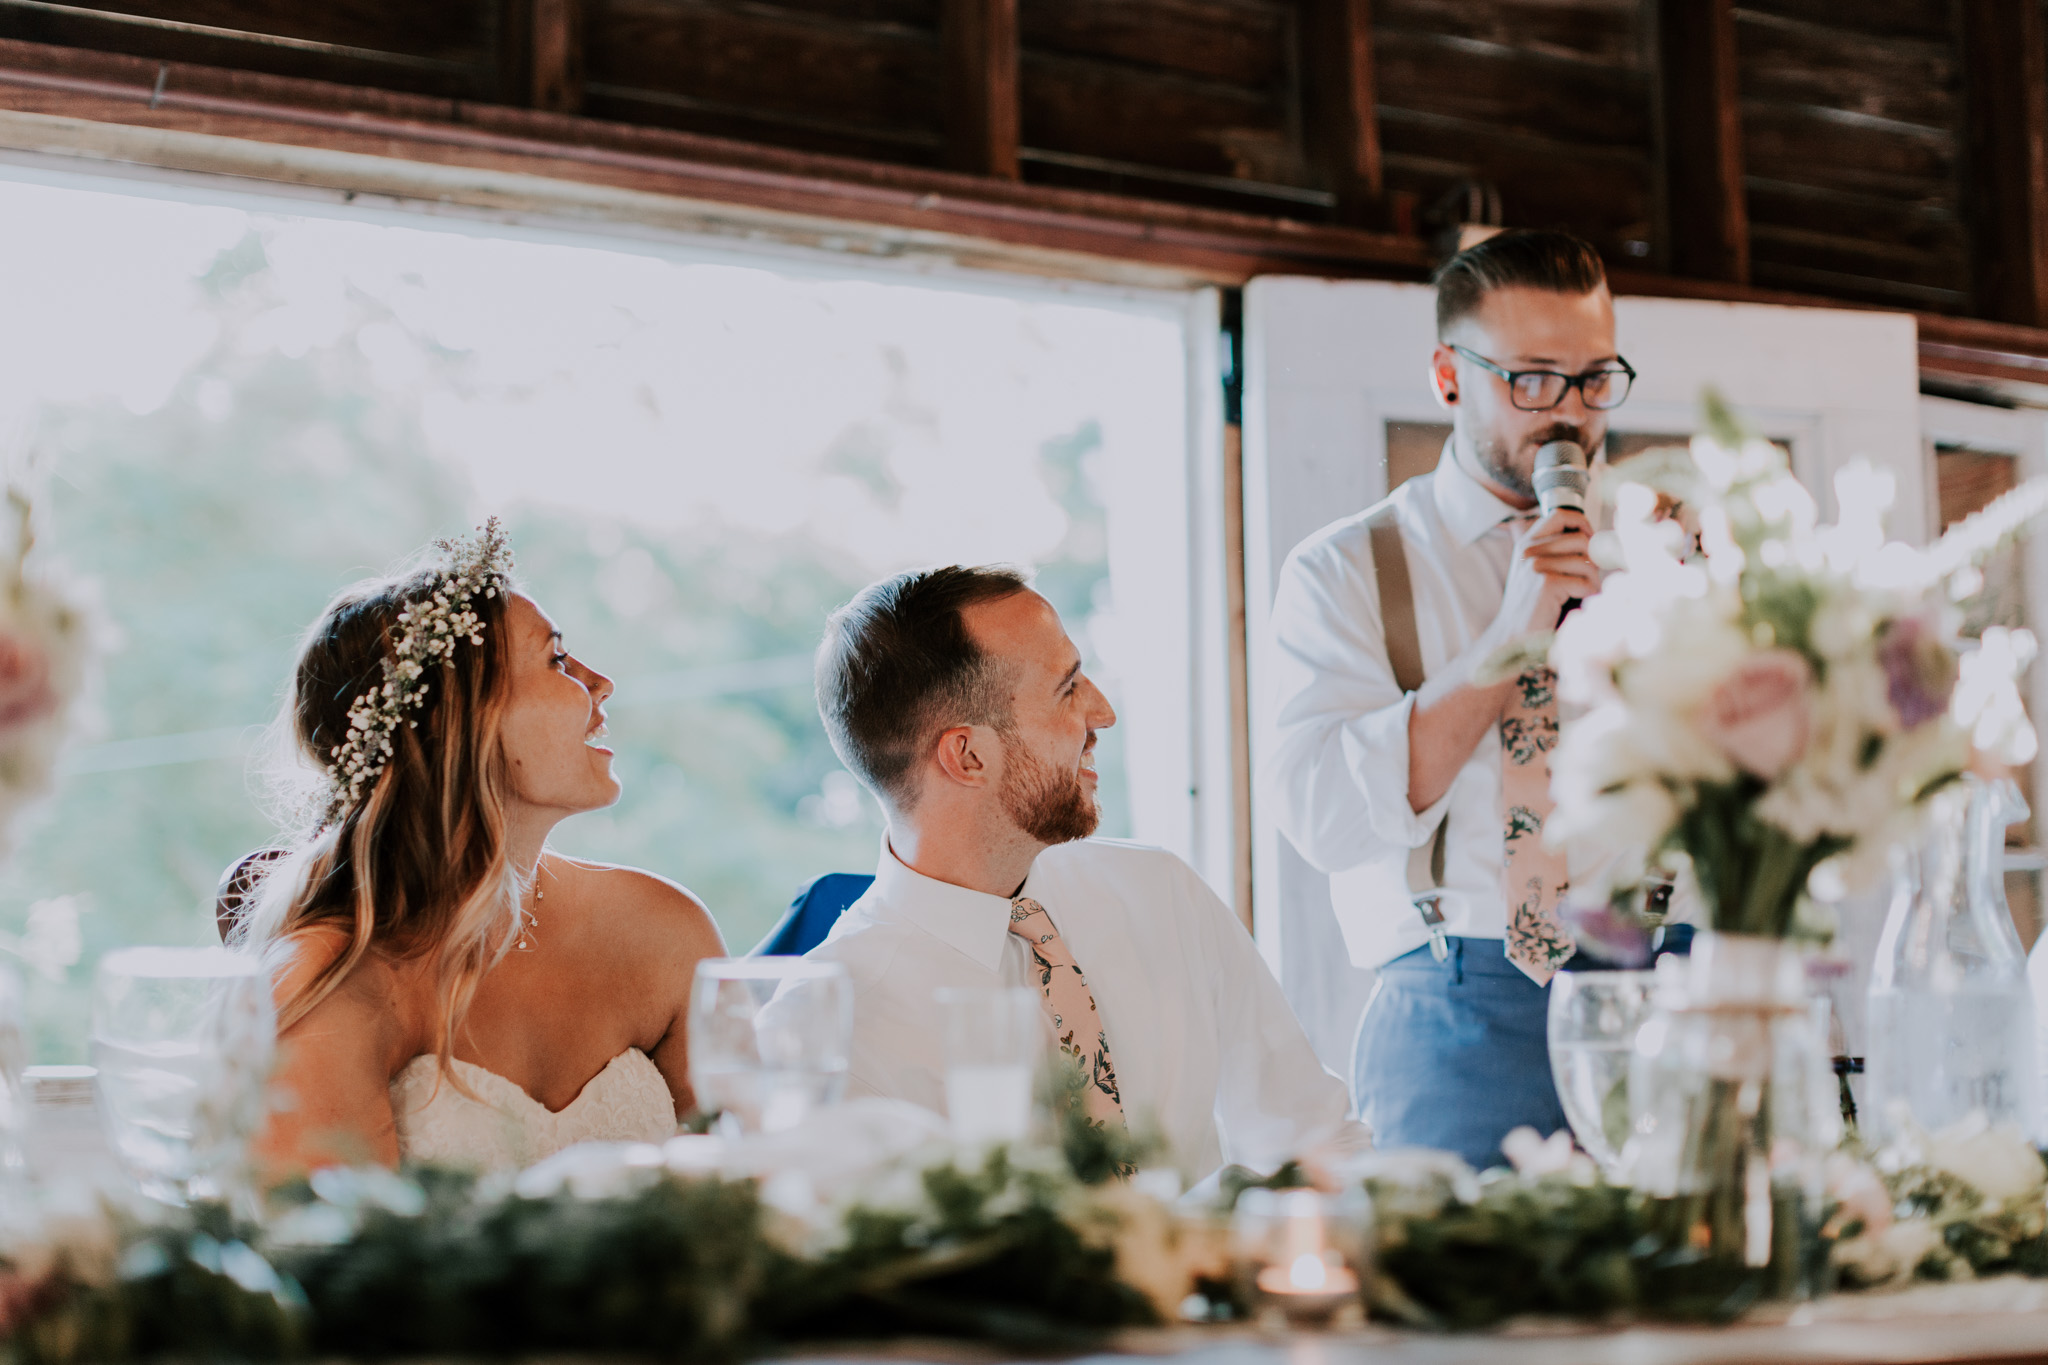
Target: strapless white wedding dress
504, 1127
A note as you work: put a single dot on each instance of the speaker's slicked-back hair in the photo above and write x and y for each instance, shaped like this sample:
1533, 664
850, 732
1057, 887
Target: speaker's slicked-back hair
1531, 258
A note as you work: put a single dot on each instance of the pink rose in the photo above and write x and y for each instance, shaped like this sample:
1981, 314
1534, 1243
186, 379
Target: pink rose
1758, 714
25, 693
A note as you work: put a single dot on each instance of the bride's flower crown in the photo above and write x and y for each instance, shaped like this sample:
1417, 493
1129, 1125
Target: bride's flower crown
430, 628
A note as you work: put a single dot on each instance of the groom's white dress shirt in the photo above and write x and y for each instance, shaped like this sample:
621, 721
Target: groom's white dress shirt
1203, 1042
1339, 773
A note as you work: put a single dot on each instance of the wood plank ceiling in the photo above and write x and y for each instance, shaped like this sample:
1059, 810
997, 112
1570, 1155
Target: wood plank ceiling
1810, 147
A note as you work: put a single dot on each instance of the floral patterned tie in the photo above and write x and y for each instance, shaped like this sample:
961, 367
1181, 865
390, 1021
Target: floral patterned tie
1075, 1022
1533, 875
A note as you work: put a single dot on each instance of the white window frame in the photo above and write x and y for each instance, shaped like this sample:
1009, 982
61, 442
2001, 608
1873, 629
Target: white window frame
2023, 434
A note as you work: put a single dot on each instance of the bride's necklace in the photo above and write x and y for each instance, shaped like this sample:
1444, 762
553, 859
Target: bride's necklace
529, 920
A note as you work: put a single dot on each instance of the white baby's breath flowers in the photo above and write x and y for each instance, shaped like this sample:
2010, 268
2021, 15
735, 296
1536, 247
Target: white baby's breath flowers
1159, 1252
430, 631
51, 942
1996, 1159
1534, 1155
52, 635
1987, 704
1817, 663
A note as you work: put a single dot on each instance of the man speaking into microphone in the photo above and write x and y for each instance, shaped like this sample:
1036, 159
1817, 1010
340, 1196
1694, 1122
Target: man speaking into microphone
1418, 786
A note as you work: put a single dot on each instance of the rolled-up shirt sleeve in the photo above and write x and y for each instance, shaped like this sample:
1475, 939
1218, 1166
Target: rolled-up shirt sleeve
1338, 779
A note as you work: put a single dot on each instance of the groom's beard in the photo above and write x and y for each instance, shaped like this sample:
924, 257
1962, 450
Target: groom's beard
1051, 806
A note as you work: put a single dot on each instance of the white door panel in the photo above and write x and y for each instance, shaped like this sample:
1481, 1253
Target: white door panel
1328, 364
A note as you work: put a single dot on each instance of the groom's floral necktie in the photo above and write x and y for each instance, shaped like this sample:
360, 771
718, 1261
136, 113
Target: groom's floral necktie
1533, 875
1075, 1024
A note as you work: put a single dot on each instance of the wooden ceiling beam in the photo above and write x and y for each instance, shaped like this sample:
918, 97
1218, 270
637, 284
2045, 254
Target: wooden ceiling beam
979, 39
978, 220
2004, 51
1702, 218
540, 50
1340, 106
1050, 230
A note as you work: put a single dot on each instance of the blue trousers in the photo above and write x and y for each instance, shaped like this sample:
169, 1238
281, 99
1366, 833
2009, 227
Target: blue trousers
1453, 1054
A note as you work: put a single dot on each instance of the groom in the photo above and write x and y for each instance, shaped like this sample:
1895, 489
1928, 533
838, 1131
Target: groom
955, 695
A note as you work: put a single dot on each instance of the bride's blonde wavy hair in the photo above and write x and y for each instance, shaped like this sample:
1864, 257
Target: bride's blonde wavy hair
418, 865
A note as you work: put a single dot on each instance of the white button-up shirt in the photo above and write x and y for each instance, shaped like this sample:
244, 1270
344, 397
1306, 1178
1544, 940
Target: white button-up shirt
1204, 1044
1339, 776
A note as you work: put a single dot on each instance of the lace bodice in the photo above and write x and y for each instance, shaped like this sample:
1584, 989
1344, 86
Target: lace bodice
628, 1101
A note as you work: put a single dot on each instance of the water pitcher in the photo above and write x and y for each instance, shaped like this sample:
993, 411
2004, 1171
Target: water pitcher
1951, 1018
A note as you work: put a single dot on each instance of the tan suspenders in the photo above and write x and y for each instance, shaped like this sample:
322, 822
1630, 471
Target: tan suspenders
1404, 654
1397, 598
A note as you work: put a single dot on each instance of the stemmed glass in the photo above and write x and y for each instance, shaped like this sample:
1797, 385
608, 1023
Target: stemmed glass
1594, 1017
995, 1043
14, 1059
769, 1039
183, 1039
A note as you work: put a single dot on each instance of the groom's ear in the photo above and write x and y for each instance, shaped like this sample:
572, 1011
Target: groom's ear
962, 755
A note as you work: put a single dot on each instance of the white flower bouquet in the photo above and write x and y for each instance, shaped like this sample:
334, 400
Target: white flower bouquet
50, 639
1767, 701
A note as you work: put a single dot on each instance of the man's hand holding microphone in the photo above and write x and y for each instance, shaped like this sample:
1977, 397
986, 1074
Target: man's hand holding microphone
1553, 567
1550, 571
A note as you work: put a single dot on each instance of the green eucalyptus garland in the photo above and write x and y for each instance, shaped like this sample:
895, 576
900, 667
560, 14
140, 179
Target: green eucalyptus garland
369, 1264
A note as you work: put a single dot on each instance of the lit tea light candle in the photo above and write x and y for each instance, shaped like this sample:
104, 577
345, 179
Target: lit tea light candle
1307, 1275
1308, 1281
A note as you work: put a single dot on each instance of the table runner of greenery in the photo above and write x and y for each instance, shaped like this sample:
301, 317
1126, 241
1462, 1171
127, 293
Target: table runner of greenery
1036, 1248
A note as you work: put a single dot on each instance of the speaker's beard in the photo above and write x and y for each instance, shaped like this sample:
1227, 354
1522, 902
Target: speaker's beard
1499, 462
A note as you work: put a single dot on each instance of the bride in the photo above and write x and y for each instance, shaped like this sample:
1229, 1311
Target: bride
447, 988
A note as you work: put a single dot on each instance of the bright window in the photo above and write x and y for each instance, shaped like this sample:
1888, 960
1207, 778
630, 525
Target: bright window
234, 409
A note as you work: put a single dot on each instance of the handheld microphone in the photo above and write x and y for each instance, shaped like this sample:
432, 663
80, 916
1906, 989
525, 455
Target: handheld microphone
1561, 482
1560, 477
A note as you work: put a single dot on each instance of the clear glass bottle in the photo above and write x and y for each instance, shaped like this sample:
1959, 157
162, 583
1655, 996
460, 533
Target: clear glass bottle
1951, 1016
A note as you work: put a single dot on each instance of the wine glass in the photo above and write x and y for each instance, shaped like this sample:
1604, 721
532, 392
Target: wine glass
769, 1039
1593, 1021
995, 1040
14, 1059
183, 1039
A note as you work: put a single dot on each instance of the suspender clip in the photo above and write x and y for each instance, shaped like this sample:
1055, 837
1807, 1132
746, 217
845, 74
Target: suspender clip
1433, 916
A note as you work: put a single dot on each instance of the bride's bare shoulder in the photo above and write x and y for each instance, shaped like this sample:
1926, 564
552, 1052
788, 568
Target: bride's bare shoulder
299, 960
639, 905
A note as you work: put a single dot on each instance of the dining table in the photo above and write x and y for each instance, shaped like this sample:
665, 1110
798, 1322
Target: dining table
1996, 1321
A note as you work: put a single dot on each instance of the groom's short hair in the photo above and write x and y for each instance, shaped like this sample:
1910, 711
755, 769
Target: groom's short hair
898, 666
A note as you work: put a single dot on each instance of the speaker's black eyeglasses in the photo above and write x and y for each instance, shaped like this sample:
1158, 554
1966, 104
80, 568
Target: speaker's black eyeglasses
1541, 390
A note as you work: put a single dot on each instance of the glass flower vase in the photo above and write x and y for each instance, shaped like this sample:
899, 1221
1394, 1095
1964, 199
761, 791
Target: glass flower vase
1732, 1113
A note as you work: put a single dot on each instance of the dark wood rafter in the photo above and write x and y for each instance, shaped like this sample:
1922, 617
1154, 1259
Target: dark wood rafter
1852, 122
979, 38
2004, 52
974, 217
1702, 220
540, 48
557, 55
1340, 106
